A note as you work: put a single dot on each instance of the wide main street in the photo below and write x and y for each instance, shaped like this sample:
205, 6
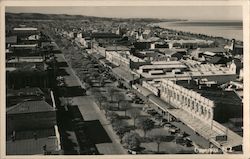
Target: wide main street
90, 111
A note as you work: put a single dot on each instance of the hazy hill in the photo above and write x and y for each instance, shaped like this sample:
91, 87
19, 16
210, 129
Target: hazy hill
39, 16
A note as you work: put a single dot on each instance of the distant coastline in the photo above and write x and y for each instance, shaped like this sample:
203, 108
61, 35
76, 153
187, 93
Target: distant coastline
224, 29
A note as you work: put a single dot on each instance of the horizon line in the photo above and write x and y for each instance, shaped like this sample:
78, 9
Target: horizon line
181, 19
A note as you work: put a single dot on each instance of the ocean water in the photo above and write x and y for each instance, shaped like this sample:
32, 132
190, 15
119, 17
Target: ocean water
226, 29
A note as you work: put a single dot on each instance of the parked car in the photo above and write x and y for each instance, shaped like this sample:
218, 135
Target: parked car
131, 95
132, 152
152, 112
138, 101
158, 117
164, 123
146, 108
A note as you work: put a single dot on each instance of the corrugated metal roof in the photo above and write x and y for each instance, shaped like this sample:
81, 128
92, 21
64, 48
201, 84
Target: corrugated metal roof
30, 107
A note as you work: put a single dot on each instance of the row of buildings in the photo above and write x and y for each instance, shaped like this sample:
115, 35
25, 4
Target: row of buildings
31, 124
201, 85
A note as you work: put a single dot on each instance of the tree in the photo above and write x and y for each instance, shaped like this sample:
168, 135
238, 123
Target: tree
101, 81
134, 113
95, 75
111, 91
146, 124
89, 81
118, 125
132, 140
125, 105
159, 136
99, 98
112, 116
106, 107
119, 97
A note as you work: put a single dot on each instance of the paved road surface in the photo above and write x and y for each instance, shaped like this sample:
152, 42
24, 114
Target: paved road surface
90, 111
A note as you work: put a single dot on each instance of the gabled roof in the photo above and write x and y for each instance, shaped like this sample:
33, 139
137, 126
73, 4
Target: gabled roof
30, 107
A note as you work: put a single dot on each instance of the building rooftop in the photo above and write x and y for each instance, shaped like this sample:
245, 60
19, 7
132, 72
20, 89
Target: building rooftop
117, 48
212, 49
25, 29
101, 35
26, 59
209, 53
11, 39
30, 107
25, 45
125, 74
135, 59
151, 39
213, 93
30, 67
162, 66
26, 144
167, 63
190, 41
25, 92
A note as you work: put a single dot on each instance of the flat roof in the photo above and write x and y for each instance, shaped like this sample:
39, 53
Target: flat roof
162, 66
24, 91
167, 62
30, 67
25, 45
26, 59
212, 49
214, 93
10, 69
117, 48
25, 29
11, 39
25, 144
190, 41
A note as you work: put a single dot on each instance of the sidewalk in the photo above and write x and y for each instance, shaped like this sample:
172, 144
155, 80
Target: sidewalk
90, 111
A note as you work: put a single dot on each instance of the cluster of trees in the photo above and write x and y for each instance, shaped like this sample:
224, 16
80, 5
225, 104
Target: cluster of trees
129, 137
112, 101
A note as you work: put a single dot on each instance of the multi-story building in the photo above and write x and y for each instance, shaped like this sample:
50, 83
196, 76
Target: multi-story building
124, 59
190, 44
202, 99
185, 69
32, 129
203, 106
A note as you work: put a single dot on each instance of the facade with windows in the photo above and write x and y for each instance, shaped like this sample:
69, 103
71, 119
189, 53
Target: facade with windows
188, 100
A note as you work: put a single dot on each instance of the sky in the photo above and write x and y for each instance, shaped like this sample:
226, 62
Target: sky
170, 12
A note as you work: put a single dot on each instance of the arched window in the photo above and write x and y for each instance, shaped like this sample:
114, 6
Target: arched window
209, 114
